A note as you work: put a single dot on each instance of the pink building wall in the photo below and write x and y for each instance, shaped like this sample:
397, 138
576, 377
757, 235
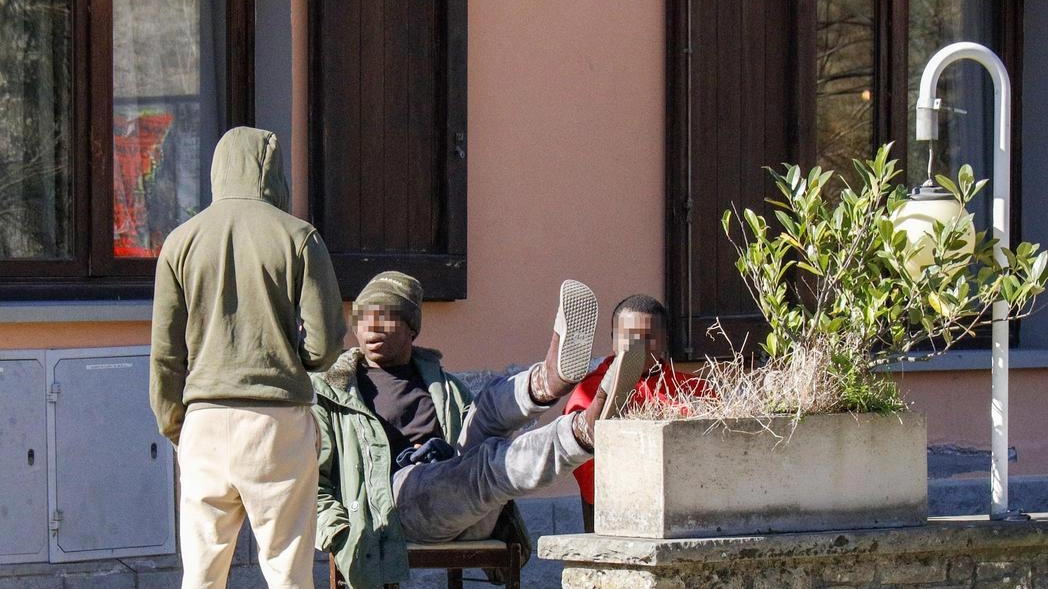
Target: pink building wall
565, 171
957, 404
566, 136
565, 180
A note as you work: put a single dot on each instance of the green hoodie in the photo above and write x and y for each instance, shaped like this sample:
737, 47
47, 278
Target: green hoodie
246, 299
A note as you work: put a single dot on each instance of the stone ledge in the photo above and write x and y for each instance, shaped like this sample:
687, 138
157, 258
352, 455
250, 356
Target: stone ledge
940, 535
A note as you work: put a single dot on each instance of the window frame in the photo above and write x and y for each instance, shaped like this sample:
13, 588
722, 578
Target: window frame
890, 121
443, 273
94, 273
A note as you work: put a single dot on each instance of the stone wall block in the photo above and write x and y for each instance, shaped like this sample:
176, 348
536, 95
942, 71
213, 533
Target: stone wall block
967, 553
720, 578
849, 574
1039, 572
579, 578
1006, 583
960, 569
782, 577
998, 571
928, 569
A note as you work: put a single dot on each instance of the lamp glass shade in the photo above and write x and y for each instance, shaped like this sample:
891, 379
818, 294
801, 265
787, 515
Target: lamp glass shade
917, 216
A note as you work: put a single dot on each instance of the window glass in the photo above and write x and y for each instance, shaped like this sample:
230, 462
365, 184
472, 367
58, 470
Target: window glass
165, 118
966, 90
844, 90
36, 208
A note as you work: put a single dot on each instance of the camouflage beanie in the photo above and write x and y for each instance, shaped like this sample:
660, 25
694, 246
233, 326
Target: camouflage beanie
395, 291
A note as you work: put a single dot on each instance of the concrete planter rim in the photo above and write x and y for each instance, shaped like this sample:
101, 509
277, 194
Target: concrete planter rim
710, 477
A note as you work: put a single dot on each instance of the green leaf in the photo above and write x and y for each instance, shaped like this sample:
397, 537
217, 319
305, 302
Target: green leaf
755, 222
809, 268
950, 187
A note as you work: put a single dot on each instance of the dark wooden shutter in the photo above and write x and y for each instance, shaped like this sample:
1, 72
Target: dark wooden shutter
387, 140
734, 95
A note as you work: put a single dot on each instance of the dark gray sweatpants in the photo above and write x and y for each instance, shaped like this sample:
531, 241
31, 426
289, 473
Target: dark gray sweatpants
460, 498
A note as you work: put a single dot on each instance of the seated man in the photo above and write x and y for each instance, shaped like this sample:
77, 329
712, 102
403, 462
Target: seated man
389, 399
636, 318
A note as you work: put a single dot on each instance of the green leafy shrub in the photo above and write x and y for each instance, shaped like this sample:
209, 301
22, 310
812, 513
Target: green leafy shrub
832, 277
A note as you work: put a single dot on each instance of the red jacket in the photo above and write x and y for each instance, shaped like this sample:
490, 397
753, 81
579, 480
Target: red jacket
654, 387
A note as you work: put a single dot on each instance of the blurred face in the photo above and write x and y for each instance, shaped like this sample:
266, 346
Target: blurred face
383, 335
644, 327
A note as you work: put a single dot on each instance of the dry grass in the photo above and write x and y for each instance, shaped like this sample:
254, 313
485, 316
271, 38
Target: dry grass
803, 384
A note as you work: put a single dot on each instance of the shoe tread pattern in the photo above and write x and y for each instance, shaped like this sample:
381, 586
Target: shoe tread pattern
579, 306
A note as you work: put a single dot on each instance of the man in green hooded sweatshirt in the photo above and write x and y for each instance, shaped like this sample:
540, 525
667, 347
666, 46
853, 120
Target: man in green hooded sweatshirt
246, 303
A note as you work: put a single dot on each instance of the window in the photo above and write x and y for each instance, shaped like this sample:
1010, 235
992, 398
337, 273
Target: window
113, 108
857, 101
732, 96
388, 140
812, 82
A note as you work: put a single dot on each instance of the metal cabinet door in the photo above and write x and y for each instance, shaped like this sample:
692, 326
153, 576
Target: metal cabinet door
113, 489
23, 458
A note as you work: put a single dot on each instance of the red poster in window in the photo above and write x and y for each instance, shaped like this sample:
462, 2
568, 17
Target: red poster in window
138, 152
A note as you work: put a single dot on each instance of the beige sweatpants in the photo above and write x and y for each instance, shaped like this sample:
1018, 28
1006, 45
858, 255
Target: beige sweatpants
258, 461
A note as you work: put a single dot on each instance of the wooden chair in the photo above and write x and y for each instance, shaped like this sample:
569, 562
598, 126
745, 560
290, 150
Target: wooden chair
455, 556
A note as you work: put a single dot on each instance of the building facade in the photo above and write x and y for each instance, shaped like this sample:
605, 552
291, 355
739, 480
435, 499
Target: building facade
493, 149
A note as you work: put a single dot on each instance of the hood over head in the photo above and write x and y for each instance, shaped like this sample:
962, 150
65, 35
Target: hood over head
248, 164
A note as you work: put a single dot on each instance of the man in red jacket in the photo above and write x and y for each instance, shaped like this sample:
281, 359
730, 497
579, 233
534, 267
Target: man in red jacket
640, 318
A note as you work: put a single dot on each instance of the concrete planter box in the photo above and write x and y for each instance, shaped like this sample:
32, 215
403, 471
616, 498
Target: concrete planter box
695, 478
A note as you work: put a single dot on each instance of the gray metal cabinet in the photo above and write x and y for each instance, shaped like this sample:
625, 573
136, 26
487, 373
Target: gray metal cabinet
92, 476
111, 470
23, 458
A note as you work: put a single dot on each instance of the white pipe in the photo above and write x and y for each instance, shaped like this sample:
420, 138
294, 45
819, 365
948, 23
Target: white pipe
927, 129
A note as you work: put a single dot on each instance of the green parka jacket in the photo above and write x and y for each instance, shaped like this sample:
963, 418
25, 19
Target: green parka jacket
355, 485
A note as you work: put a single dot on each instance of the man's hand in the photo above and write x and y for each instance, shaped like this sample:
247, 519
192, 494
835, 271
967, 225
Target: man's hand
434, 450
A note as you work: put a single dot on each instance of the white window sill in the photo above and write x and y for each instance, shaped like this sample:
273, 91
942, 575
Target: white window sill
75, 311
973, 360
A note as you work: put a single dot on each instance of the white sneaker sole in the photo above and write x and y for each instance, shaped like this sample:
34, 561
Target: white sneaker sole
621, 378
576, 323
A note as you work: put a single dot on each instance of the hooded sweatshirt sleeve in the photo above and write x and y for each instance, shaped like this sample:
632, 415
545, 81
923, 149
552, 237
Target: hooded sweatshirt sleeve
320, 307
168, 355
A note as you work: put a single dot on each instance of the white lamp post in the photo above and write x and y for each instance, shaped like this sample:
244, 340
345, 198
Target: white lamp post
927, 130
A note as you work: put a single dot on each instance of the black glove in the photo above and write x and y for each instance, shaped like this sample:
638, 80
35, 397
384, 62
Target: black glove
434, 450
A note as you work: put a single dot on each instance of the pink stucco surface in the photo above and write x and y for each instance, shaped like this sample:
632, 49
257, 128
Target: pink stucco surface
565, 171
566, 155
957, 404
565, 139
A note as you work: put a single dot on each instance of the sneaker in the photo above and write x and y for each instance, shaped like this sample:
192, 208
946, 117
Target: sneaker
621, 378
612, 394
573, 330
570, 349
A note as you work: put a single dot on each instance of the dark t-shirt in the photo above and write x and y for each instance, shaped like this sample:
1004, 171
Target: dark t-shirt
399, 398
